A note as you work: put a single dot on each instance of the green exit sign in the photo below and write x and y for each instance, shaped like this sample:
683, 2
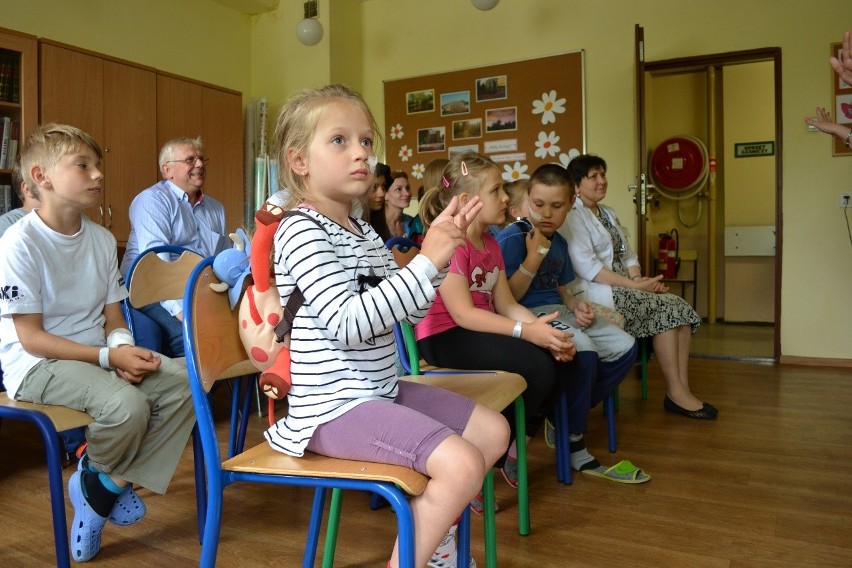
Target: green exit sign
754, 149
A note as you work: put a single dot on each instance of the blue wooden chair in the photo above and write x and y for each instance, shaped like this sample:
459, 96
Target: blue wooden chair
215, 353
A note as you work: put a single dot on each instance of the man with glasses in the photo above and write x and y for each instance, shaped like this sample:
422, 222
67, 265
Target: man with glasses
176, 211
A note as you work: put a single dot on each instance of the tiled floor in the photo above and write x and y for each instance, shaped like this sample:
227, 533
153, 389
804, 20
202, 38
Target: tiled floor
733, 341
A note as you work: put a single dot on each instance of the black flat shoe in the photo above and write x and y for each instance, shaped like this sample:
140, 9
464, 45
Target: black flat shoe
706, 412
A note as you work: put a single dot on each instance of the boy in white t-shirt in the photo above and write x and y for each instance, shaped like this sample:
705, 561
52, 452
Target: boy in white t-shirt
63, 340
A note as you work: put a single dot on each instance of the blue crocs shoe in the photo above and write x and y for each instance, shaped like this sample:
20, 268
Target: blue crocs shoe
129, 508
87, 526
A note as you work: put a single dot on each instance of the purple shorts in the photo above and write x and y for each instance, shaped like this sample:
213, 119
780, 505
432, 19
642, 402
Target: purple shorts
404, 432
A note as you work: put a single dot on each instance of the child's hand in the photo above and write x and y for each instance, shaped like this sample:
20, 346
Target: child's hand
133, 363
536, 240
447, 231
558, 342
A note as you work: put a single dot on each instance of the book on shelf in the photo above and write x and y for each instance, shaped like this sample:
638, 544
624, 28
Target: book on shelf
5, 199
5, 137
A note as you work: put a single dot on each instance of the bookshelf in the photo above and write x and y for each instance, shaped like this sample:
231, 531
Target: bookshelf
18, 99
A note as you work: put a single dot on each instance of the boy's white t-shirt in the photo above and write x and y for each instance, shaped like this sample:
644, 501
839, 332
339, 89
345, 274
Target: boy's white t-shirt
67, 279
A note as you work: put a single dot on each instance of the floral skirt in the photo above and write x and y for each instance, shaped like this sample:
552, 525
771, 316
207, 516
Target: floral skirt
647, 314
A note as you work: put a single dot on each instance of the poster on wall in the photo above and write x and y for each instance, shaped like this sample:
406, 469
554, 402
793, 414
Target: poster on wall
842, 111
521, 114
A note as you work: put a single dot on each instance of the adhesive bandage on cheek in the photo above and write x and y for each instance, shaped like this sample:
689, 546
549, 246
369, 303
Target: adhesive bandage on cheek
371, 162
534, 215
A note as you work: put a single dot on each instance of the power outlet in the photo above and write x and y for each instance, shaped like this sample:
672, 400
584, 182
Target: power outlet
845, 200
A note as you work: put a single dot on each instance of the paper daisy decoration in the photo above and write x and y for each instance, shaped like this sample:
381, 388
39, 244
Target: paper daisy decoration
548, 106
405, 152
417, 171
546, 145
515, 172
396, 131
565, 159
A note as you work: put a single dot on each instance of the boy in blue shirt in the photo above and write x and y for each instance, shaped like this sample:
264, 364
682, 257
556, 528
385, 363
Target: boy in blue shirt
539, 270
63, 340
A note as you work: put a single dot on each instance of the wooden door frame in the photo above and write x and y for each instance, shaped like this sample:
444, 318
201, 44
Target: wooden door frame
703, 61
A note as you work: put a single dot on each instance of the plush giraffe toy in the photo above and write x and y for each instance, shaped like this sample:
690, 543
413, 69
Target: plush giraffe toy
261, 311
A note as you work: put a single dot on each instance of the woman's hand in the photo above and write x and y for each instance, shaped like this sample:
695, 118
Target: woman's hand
654, 284
133, 363
583, 312
824, 123
447, 231
558, 342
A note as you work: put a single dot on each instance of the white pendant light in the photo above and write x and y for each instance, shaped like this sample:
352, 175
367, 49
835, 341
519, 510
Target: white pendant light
484, 4
309, 30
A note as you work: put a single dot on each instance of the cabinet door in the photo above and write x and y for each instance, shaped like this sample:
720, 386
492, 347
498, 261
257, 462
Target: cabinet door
223, 143
190, 109
130, 140
179, 109
71, 89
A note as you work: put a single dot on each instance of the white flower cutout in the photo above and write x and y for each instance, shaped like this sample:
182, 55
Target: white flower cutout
417, 171
396, 131
405, 152
546, 145
565, 159
515, 172
548, 106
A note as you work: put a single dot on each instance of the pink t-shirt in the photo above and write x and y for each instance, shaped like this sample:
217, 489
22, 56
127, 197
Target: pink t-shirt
481, 267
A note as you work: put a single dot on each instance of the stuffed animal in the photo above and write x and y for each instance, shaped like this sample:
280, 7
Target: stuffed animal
231, 267
261, 311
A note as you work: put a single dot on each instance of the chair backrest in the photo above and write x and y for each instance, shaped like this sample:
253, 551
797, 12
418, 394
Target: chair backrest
403, 250
153, 279
208, 316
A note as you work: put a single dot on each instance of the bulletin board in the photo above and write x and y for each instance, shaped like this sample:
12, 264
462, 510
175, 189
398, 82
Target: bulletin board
842, 98
521, 114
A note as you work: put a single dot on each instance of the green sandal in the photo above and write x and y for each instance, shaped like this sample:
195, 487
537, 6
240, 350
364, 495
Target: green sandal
622, 472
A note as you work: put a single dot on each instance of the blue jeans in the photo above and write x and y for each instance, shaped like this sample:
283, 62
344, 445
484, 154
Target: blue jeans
171, 328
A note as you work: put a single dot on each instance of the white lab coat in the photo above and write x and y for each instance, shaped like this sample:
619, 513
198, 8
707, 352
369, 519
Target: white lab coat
591, 249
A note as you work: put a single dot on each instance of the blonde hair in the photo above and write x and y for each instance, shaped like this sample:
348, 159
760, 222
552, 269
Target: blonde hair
462, 174
48, 144
297, 124
516, 190
432, 174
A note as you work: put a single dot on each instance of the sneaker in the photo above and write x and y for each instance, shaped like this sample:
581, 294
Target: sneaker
478, 504
87, 527
510, 471
129, 508
549, 433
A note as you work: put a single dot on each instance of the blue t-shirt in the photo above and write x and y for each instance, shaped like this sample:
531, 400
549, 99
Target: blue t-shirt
555, 269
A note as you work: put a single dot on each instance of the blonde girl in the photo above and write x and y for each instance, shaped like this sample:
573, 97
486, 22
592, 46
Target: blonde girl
345, 399
475, 323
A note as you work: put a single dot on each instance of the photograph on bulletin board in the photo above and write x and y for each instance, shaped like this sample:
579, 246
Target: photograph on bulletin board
521, 114
842, 101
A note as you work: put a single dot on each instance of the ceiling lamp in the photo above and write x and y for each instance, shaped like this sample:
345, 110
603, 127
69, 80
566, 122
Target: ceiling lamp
309, 30
484, 4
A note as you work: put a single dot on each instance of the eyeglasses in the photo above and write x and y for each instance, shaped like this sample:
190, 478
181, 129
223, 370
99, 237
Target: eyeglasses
190, 161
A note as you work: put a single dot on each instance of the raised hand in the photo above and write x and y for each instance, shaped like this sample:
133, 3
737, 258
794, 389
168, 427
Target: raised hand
843, 65
447, 231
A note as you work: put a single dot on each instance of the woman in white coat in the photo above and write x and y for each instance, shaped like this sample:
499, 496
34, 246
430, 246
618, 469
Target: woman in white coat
609, 273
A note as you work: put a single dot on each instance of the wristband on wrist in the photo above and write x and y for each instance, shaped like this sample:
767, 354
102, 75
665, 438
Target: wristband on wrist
848, 136
543, 251
103, 358
120, 336
519, 328
525, 272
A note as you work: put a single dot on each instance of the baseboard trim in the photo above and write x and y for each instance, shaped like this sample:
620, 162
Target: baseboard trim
815, 361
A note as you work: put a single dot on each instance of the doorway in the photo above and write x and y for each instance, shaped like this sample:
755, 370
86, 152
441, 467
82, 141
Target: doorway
727, 223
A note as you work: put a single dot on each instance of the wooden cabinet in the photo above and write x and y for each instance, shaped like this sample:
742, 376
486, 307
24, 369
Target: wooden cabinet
116, 103
132, 111
23, 49
186, 108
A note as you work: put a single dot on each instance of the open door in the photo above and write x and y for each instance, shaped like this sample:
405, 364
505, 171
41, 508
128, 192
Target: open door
709, 79
640, 187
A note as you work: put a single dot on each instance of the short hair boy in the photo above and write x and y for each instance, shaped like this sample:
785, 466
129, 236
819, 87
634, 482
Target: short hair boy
63, 340
539, 270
